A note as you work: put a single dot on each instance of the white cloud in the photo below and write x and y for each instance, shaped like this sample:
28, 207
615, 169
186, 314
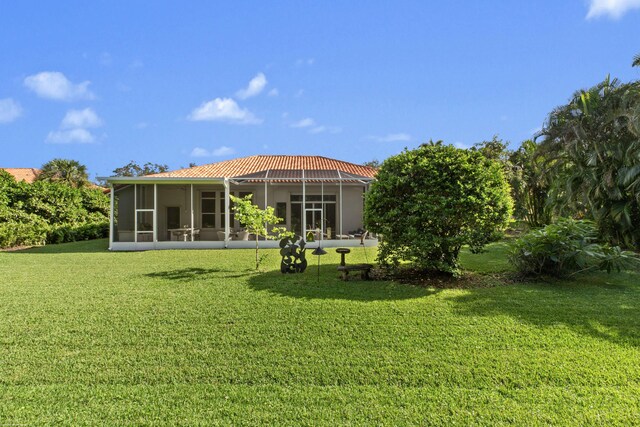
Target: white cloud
54, 85
70, 136
299, 93
304, 123
106, 59
217, 152
225, 110
86, 118
308, 61
273, 92
73, 128
614, 8
10, 110
391, 137
256, 85
321, 129
460, 144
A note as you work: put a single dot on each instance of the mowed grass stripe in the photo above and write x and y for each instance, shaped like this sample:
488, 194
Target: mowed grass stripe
194, 336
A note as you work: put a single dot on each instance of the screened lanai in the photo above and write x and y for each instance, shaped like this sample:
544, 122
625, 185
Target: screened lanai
163, 212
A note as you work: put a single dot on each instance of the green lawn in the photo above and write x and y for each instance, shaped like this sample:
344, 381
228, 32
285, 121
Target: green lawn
196, 337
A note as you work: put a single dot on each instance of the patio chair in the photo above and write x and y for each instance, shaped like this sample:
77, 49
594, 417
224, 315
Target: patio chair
220, 235
243, 235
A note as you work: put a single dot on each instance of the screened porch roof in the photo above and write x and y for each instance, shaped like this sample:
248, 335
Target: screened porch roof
302, 175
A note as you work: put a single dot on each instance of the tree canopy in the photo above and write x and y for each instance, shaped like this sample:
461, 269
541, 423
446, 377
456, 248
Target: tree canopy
70, 172
428, 202
134, 169
591, 148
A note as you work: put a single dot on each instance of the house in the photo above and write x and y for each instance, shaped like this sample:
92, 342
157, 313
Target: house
191, 208
28, 175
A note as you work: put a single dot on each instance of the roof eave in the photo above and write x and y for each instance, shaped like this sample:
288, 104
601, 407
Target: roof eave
161, 179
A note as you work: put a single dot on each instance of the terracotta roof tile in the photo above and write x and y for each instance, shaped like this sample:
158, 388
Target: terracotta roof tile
23, 174
259, 163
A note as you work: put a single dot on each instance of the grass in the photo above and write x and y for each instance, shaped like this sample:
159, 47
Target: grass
197, 337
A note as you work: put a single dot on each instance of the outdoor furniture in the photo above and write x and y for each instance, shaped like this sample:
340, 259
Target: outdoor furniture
364, 270
242, 235
220, 235
343, 252
345, 236
344, 269
183, 233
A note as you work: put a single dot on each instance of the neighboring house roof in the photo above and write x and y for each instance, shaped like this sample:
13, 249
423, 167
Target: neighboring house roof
23, 174
254, 164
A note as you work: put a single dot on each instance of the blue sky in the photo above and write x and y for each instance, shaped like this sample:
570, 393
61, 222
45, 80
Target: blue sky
178, 82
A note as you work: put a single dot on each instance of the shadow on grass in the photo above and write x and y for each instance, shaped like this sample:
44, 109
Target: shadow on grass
601, 306
329, 286
85, 246
196, 273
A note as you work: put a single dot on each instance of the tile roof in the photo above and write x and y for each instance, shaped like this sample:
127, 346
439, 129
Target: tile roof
23, 174
260, 163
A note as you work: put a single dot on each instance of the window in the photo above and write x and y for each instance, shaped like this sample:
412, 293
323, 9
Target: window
208, 208
281, 211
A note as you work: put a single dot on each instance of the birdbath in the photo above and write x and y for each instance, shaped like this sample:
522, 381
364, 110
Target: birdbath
343, 252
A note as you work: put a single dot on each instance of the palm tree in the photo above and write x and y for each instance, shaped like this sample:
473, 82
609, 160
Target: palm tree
68, 171
591, 147
636, 61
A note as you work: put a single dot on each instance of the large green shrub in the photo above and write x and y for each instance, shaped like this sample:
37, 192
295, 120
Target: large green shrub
50, 212
429, 202
565, 248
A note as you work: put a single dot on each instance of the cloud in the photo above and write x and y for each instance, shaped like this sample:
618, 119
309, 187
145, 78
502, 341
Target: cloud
304, 123
54, 85
224, 110
256, 85
74, 128
273, 92
106, 59
308, 61
391, 137
614, 8
329, 129
86, 118
70, 136
10, 110
299, 93
217, 152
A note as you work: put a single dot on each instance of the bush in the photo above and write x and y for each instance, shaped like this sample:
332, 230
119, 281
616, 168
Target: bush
51, 212
430, 201
566, 248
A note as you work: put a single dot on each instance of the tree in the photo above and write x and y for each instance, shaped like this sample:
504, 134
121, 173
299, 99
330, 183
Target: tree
67, 171
428, 202
496, 149
375, 163
133, 169
591, 148
256, 221
529, 185
636, 61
